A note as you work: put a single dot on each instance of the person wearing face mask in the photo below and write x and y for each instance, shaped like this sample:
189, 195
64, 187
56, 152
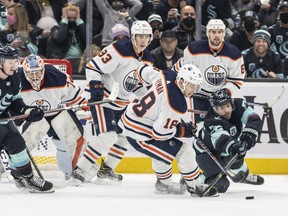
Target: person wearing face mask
156, 23
242, 37
185, 30
279, 31
68, 40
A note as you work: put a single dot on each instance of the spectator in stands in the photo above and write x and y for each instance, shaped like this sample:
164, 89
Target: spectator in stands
185, 30
119, 32
97, 19
242, 38
241, 6
44, 14
68, 40
279, 31
169, 11
156, 23
167, 54
19, 33
260, 61
3, 13
112, 15
147, 10
84, 60
267, 14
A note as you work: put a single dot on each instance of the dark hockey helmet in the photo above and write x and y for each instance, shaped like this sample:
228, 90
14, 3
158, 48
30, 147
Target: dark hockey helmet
7, 52
221, 97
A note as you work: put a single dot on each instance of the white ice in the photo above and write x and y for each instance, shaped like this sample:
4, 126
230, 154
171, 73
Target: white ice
135, 197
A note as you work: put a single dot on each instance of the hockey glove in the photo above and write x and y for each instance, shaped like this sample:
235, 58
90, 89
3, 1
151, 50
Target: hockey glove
96, 90
249, 135
34, 114
238, 148
185, 129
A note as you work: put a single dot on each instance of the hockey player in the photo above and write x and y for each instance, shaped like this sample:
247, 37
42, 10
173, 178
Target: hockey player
10, 139
224, 135
154, 126
46, 87
117, 62
221, 64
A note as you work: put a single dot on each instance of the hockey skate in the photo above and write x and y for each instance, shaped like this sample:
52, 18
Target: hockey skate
199, 190
77, 177
254, 179
38, 185
18, 180
106, 173
174, 189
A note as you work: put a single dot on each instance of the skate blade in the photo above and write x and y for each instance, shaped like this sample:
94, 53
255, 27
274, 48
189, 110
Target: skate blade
74, 182
37, 191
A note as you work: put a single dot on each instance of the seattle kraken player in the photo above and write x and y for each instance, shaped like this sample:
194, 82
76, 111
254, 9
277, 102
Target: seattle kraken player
10, 139
221, 64
224, 135
115, 63
154, 126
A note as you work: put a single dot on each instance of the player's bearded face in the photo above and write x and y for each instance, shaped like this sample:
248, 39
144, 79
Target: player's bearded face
224, 110
216, 37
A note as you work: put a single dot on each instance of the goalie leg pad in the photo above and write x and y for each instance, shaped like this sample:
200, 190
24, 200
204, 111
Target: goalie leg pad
68, 128
33, 132
63, 157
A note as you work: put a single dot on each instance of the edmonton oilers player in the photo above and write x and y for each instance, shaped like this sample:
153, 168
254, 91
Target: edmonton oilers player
10, 139
115, 63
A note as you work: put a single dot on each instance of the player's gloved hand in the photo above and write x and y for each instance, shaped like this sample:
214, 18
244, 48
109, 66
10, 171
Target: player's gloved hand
239, 148
96, 90
34, 114
185, 129
249, 135
85, 108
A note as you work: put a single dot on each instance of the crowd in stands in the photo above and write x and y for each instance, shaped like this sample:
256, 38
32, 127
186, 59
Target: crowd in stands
57, 29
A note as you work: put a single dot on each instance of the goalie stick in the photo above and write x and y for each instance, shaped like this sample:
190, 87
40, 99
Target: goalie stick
112, 97
234, 177
219, 176
264, 105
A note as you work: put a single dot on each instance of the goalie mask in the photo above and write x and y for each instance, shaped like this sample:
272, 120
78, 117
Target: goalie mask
33, 67
190, 74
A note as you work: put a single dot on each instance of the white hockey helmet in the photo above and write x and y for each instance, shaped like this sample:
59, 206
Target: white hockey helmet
190, 74
215, 24
141, 27
33, 67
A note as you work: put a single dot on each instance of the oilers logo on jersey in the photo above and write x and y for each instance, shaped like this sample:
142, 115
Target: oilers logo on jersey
215, 75
42, 104
130, 81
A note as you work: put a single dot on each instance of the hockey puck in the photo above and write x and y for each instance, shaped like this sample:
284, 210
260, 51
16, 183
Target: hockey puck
249, 197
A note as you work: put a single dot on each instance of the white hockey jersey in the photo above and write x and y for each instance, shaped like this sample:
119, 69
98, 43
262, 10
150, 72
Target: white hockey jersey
56, 88
155, 115
222, 69
117, 63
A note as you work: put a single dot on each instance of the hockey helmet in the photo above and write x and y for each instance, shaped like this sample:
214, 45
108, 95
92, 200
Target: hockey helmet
221, 97
7, 52
141, 27
33, 67
190, 74
215, 24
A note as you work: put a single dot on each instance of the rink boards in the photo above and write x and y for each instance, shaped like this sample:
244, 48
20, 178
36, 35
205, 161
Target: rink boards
269, 156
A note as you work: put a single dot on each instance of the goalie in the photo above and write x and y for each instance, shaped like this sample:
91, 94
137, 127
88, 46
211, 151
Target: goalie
46, 87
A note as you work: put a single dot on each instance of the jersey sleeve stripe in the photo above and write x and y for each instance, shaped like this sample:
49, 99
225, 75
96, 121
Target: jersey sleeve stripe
159, 136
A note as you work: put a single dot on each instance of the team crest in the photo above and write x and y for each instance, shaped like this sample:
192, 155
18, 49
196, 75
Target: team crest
42, 104
279, 39
10, 37
130, 81
233, 131
252, 66
215, 75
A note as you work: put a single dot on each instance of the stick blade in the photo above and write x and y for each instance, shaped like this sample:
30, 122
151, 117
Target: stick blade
114, 92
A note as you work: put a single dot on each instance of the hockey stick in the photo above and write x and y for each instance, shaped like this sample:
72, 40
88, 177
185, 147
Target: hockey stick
112, 97
34, 164
234, 177
219, 176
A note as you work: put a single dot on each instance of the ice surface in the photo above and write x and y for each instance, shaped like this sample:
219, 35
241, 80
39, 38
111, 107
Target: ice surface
135, 197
